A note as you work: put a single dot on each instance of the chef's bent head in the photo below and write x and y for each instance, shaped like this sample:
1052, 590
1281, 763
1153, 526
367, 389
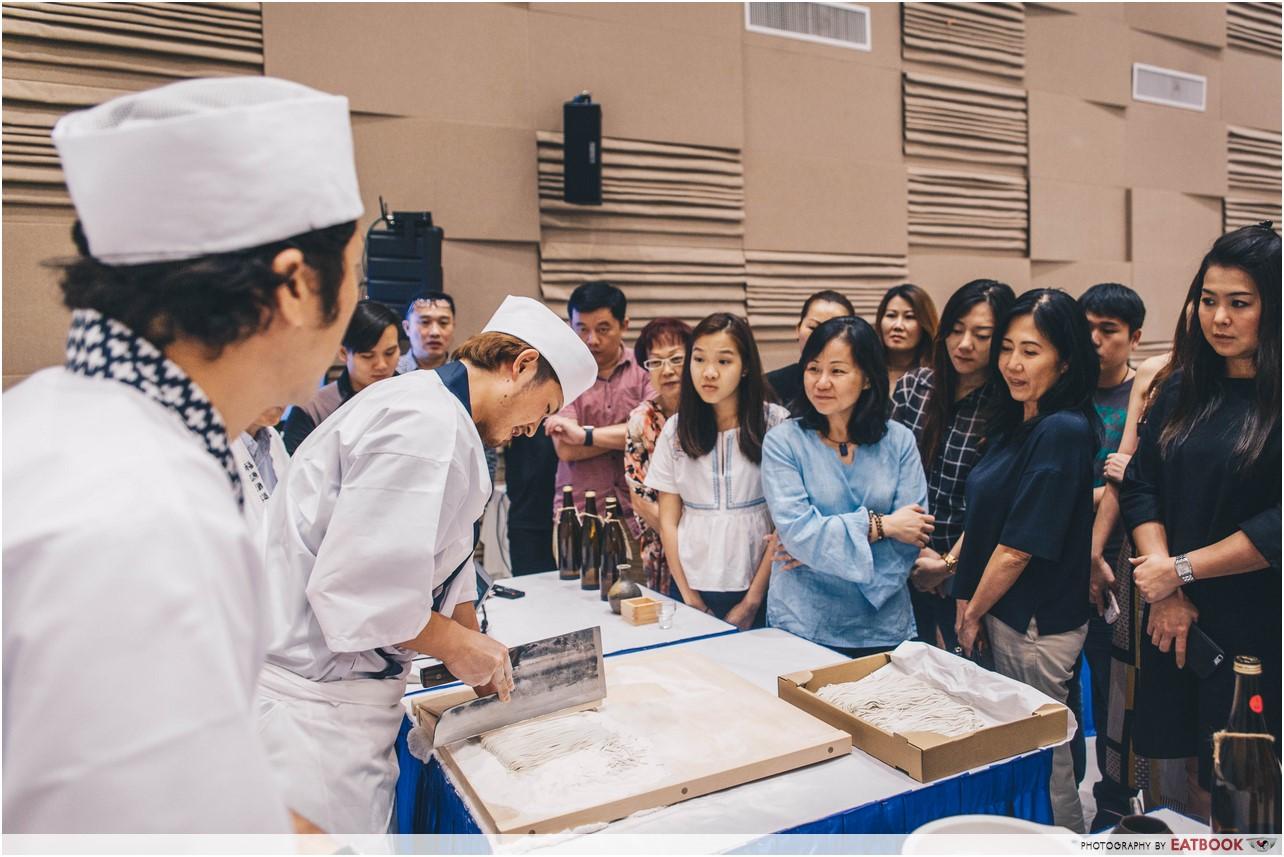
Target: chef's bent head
535, 365
219, 213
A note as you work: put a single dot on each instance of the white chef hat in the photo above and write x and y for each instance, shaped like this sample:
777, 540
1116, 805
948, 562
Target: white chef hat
208, 166
541, 329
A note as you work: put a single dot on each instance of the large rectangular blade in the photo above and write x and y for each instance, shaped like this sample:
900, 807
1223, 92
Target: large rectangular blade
556, 674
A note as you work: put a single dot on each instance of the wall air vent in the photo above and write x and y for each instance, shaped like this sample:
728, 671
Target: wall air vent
843, 25
1170, 88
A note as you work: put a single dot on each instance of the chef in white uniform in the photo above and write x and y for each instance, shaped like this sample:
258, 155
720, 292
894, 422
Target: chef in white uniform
261, 462
369, 551
133, 637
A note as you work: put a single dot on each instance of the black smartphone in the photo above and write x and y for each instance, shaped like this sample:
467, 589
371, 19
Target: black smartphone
1202, 654
504, 592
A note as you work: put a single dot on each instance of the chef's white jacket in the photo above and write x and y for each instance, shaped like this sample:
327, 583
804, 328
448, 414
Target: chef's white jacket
132, 632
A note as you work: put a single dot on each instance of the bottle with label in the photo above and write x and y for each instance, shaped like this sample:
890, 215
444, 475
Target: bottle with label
1246, 770
615, 548
568, 537
590, 542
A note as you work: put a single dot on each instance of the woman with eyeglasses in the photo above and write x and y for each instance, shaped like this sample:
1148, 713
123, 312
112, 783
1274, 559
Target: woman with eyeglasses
661, 349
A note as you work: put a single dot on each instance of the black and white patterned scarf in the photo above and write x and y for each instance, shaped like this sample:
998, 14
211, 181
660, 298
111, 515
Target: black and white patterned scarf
101, 347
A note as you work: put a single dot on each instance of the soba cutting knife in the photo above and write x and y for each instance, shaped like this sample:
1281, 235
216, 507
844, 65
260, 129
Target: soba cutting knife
562, 673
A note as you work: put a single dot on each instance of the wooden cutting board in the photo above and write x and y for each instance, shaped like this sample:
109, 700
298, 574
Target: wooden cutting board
698, 728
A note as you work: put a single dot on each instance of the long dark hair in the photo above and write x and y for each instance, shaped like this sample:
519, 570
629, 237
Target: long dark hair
1255, 250
370, 320
1058, 317
945, 378
924, 313
697, 424
868, 422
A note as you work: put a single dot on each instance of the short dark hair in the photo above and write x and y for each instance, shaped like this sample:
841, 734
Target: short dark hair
659, 330
216, 300
697, 423
868, 422
1115, 300
597, 294
829, 296
369, 321
1059, 319
430, 296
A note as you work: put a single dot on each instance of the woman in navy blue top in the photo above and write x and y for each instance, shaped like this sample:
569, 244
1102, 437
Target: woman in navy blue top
1023, 567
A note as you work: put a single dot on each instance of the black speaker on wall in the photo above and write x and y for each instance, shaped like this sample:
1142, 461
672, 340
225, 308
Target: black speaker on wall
582, 150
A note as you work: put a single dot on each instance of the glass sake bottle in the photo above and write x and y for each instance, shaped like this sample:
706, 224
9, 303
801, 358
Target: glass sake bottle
568, 537
1246, 771
615, 548
591, 528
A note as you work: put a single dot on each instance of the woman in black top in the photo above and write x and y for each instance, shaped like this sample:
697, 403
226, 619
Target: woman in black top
1202, 499
1023, 568
945, 405
786, 383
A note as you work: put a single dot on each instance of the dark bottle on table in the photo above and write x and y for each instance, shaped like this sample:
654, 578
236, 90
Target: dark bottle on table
1246, 771
590, 542
615, 548
568, 537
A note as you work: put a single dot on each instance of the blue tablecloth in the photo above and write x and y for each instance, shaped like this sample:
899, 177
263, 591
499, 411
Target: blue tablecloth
1017, 789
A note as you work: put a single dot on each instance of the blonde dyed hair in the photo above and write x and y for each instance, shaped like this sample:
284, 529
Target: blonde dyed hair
491, 350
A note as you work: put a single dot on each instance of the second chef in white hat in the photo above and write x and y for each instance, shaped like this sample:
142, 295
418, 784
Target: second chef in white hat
368, 549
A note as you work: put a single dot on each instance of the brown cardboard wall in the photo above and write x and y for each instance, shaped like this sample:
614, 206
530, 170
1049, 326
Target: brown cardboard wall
449, 97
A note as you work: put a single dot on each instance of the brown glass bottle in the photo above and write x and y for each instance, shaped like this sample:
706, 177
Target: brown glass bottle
590, 542
568, 537
1246, 770
615, 548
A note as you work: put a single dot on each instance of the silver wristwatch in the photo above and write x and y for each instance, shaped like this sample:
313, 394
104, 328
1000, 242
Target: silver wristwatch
1184, 571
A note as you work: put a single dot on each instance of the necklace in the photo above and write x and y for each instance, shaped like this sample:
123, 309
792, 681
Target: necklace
842, 445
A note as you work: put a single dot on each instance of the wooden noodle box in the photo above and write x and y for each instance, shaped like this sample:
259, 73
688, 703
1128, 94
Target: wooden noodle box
640, 611
925, 756
658, 695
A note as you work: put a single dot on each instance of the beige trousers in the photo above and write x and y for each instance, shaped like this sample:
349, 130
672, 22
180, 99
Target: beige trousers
1046, 664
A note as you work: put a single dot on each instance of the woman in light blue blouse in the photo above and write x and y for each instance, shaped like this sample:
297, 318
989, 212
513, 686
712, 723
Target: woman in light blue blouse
847, 494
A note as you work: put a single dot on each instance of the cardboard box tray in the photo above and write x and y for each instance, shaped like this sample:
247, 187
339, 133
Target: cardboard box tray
925, 756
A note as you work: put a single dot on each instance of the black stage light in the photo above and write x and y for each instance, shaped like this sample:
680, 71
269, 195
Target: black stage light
402, 257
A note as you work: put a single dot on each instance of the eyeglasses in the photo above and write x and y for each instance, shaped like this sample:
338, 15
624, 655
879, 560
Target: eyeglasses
655, 362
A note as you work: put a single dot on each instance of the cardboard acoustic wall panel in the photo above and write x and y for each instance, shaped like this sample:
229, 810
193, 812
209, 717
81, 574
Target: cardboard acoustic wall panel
1164, 286
480, 274
457, 62
884, 37
959, 120
1176, 149
478, 181
1078, 277
1178, 56
1070, 221
1171, 228
1253, 160
981, 38
942, 273
1254, 27
35, 322
1201, 23
779, 283
824, 205
1251, 89
1078, 141
1113, 11
968, 210
1238, 212
799, 107
710, 19
1073, 54
653, 84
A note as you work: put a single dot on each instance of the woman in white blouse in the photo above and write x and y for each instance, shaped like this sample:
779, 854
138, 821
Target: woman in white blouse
714, 520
